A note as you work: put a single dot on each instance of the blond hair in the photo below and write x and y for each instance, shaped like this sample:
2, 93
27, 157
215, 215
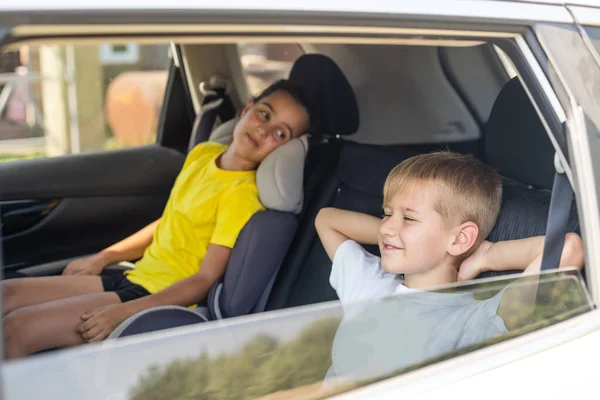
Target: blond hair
468, 190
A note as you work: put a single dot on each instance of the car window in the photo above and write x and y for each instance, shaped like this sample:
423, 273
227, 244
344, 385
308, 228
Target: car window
309, 352
265, 63
594, 34
67, 99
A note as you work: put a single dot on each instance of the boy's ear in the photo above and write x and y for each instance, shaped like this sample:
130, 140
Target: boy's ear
464, 239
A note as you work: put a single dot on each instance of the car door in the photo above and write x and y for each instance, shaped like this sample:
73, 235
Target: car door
54, 209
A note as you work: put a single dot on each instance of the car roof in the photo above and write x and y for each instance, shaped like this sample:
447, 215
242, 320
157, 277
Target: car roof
461, 7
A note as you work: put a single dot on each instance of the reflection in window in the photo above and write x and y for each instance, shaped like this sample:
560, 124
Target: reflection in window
375, 340
401, 333
264, 64
64, 99
311, 352
594, 34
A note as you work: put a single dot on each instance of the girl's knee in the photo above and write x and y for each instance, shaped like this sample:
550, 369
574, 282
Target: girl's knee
9, 293
17, 326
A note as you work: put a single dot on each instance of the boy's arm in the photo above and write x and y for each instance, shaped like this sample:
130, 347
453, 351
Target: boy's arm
519, 299
99, 323
523, 254
127, 249
335, 226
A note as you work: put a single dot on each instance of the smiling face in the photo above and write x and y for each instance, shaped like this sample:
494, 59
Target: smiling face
267, 124
413, 236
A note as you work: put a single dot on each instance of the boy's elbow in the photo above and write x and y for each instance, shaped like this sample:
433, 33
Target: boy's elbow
573, 251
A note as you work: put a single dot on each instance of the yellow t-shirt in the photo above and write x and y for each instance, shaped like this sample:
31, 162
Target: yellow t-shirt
207, 205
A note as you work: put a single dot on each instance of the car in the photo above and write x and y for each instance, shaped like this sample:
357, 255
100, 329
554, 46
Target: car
108, 96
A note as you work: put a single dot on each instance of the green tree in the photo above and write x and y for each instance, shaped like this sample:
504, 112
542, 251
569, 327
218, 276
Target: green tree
261, 366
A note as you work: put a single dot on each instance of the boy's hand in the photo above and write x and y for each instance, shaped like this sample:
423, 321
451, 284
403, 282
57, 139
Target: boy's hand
100, 322
475, 263
91, 265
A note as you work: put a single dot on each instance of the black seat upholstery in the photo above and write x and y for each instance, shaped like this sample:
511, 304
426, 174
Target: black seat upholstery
335, 111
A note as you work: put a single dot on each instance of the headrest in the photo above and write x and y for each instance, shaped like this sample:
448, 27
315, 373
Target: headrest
515, 141
328, 91
280, 176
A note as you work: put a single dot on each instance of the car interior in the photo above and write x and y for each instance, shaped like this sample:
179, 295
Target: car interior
385, 104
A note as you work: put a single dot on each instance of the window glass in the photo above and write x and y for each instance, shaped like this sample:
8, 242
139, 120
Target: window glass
264, 64
67, 99
310, 352
594, 34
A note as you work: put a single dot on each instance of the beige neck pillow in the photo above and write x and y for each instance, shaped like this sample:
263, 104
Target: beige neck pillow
280, 176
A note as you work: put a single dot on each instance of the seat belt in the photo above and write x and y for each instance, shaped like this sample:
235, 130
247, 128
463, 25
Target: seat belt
216, 103
558, 218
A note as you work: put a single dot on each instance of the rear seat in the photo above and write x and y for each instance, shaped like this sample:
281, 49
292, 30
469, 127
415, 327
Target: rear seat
515, 143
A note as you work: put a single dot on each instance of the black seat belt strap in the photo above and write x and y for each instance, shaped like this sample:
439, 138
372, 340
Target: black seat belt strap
558, 219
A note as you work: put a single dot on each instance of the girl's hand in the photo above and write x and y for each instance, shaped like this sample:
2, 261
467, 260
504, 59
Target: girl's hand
100, 322
91, 265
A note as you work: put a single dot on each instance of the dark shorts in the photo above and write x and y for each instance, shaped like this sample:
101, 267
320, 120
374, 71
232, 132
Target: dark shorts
125, 289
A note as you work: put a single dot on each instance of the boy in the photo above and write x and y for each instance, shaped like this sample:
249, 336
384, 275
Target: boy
438, 209
182, 254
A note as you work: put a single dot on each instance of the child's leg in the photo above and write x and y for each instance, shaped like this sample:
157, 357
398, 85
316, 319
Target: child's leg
49, 325
22, 292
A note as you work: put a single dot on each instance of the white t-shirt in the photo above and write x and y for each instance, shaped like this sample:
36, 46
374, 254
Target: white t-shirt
382, 334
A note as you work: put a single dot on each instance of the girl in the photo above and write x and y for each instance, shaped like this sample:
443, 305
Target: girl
182, 254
